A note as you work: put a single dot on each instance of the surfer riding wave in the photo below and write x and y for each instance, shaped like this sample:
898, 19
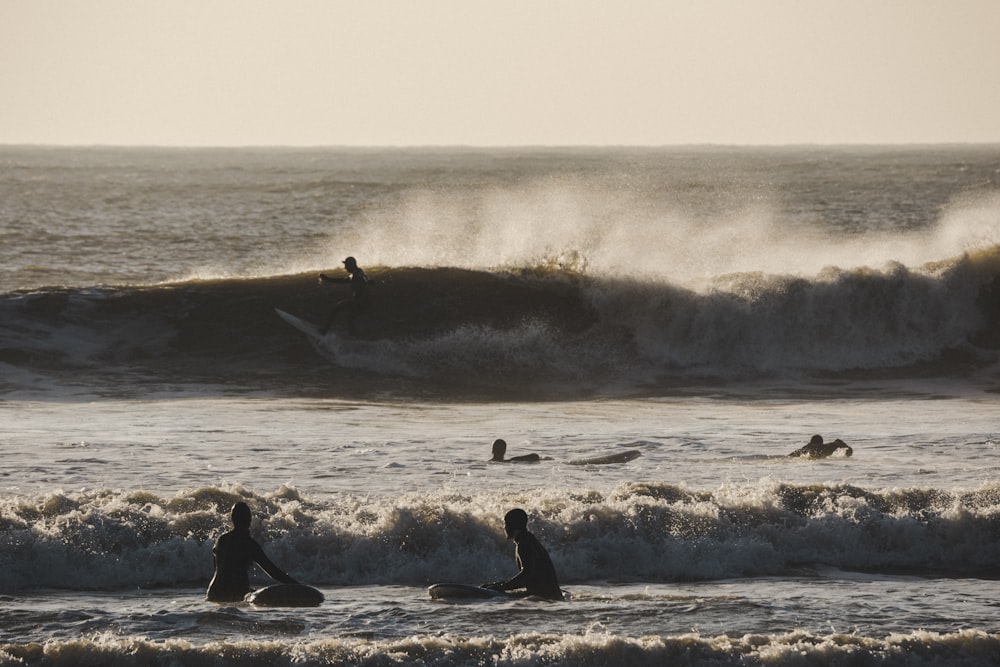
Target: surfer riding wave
357, 303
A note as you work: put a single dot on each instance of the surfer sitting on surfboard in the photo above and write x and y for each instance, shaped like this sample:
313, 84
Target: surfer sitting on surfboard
500, 448
357, 303
817, 449
234, 554
537, 574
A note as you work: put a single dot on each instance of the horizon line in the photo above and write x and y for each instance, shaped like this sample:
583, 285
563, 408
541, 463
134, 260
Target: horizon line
887, 144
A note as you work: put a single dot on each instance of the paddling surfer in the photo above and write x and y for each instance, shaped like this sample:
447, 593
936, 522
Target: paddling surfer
500, 448
537, 575
234, 554
357, 303
817, 449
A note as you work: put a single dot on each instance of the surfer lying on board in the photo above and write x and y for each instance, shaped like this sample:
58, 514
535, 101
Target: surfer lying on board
500, 448
357, 303
537, 575
234, 554
817, 449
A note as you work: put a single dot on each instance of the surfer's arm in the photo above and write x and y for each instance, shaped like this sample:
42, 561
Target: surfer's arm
272, 570
520, 580
323, 278
508, 585
527, 561
840, 444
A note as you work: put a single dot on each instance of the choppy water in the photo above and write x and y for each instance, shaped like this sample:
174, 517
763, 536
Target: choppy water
710, 308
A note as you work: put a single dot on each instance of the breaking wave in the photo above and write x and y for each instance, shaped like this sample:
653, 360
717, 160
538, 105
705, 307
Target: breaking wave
441, 331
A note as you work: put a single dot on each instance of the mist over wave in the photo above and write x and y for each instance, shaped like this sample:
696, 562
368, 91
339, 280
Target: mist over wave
605, 231
683, 216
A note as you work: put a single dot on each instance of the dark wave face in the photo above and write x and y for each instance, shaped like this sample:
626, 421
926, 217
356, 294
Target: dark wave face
548, 331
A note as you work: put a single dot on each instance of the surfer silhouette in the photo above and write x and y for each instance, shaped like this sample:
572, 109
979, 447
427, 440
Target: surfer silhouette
500, 448
357, 303
817, 449
537, 575
234, 554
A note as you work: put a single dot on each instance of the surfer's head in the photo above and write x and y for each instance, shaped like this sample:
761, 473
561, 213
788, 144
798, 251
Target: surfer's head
499, 449
241, 515
514, 522
351, 263
816, 440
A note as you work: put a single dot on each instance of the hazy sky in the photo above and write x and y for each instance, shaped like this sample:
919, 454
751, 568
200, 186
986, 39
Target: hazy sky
498, 72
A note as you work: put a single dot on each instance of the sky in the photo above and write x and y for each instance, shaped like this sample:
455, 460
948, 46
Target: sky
498, 72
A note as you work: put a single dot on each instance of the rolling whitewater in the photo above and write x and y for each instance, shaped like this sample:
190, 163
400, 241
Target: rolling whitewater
704, 310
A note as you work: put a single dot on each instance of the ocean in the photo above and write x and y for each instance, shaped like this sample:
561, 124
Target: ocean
710, 307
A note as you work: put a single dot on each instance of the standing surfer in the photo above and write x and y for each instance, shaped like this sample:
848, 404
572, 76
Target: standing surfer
357, 303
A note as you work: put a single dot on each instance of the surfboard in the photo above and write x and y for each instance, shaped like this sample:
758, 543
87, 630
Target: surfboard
306, 327
465, 592
617, 457
285, 595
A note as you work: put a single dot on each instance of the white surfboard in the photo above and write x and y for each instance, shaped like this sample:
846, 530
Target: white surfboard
285, 595
306, 327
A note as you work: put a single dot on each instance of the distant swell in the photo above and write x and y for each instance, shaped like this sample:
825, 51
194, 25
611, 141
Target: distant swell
444, 331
